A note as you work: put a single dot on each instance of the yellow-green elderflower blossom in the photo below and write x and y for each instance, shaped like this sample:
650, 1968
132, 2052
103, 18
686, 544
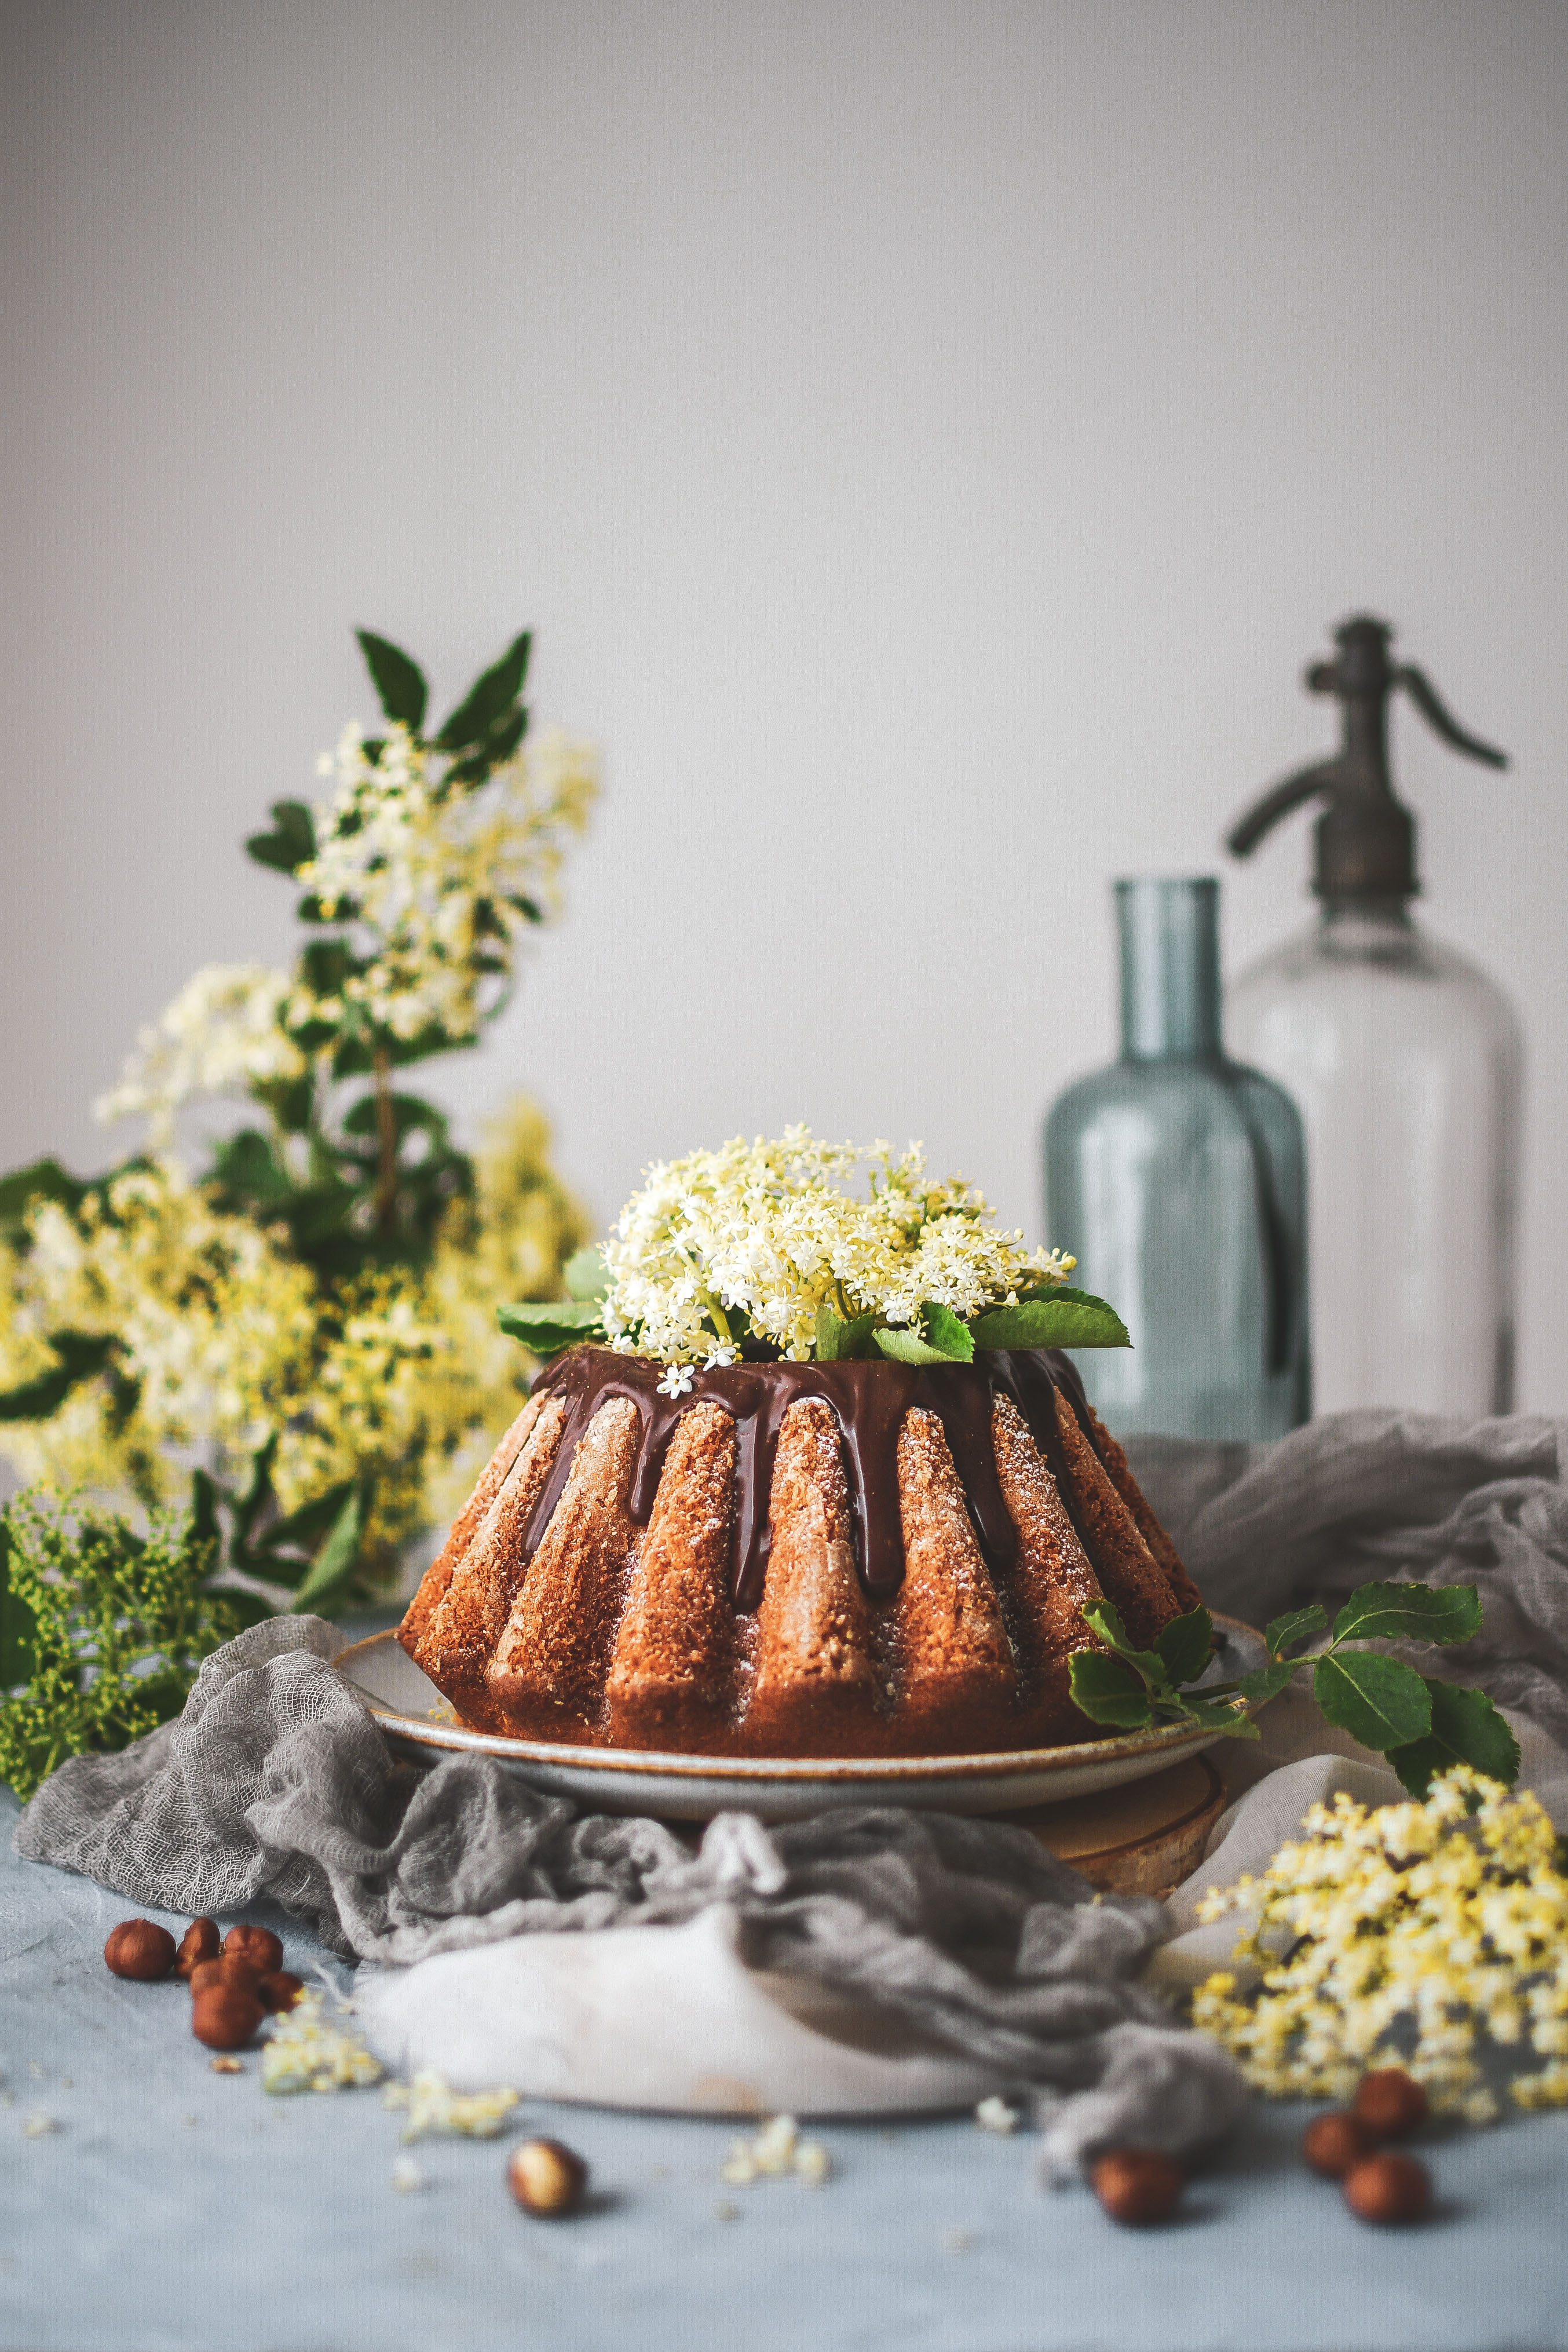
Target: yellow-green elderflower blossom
213, 1329
400, 1375
768, 1228
1412, 1931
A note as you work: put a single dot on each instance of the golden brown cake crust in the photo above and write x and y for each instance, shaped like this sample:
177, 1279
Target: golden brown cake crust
853, 1560
551, 1660
1130, 1576
1137, 1502
814, 1667
462, 1631
438, 1575
1052, 1583
673, 1672
956, 1678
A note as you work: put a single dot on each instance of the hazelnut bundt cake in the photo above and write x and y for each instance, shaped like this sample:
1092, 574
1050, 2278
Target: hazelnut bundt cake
792, 1558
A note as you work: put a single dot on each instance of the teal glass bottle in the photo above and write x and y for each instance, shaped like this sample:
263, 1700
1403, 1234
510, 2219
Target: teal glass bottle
1178, 1179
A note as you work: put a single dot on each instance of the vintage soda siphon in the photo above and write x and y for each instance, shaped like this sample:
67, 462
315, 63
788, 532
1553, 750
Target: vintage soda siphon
1406, 1065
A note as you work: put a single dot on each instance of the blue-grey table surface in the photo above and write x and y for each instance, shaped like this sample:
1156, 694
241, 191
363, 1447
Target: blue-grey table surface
172, 2207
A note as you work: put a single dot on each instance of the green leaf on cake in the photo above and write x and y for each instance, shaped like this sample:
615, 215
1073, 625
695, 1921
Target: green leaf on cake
840, 1341
1466, 1728
906, 1346
1293, 1626
547, 1326
1104, 1619
1221, 1715
941, 1339
1070, 1318
399, 681
585, 1273
1186, 1646
1379, 1701
1265, 1682
948, 1334
1107, 1690
1410, 1612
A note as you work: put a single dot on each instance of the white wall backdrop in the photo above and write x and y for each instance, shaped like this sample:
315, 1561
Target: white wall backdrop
927, 439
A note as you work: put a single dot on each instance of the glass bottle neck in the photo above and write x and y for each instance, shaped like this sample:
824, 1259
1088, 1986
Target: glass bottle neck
1353, 920
1372, 931
1169, 933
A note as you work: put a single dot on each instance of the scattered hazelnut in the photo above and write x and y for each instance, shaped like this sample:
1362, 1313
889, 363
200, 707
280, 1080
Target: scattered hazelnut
228, 1968
1137, 2185
138, 1949
1388, 2188
199, 1942
546, 2178
224, 2016
259, 1946
1390, 2103
278, 1990
1331, 2144
227, 2065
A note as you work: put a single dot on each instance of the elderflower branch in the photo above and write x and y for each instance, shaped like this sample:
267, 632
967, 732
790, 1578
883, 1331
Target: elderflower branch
437, 887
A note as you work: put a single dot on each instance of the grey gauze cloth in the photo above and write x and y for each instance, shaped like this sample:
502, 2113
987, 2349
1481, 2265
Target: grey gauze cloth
276, 1781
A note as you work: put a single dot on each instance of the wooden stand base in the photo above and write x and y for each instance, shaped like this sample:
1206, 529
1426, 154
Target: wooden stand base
1142, 1839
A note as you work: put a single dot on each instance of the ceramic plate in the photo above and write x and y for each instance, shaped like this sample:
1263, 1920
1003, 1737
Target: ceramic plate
417, 1720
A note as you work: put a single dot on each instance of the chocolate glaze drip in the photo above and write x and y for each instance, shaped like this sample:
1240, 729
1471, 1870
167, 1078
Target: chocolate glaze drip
870, 1400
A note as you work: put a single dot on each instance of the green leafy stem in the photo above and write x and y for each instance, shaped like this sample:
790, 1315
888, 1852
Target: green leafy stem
1420, 1724
1053, 1317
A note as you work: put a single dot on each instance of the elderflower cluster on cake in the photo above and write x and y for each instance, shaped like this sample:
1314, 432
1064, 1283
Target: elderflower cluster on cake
754, 1240
1406, 1932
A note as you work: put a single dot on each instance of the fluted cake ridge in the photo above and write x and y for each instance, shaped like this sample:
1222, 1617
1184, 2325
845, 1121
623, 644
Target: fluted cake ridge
792, 1558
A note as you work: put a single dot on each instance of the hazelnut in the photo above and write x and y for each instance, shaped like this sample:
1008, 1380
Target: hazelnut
1137, 2185
227, 1969
138, 1948
1331, 2144
1388, 2188
546, 2178
259, 1946
278, 1990
199, 1942
224, 2016
1390, 2103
